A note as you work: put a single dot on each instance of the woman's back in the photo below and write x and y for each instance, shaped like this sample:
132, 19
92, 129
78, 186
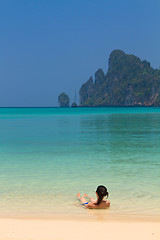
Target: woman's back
103, 204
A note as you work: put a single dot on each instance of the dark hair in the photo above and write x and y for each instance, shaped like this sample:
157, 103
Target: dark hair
101, 192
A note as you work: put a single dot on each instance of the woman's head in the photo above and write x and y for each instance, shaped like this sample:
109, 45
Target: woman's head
101, 192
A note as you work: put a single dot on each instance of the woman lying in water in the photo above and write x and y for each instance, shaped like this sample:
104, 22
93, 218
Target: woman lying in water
101, 192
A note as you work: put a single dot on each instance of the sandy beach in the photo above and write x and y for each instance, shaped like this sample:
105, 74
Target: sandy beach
40, 229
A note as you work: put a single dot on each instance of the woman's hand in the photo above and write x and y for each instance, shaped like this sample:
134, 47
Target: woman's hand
79, 196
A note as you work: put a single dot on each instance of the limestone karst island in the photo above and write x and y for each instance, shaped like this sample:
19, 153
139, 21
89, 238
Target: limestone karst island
128, 82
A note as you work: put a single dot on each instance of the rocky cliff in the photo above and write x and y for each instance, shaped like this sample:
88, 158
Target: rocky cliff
128, 82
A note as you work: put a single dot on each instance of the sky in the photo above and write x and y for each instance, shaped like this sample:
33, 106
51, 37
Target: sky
52, 46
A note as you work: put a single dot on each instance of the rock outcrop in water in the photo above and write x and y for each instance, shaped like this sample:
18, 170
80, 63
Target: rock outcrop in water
63, 100
74, 105
128, 82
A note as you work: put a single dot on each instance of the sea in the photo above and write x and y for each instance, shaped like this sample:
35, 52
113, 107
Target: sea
48, 155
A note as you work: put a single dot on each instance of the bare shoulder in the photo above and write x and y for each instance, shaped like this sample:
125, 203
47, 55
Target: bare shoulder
108, 203
104, 204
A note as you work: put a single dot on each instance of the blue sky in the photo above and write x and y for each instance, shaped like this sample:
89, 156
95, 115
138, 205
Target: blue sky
47, 47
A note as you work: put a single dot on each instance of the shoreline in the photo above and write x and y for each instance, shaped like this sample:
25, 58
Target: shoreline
89, 215
49, 229
82, 218
83, 214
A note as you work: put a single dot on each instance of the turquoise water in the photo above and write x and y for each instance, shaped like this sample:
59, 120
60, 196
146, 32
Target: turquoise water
48, 155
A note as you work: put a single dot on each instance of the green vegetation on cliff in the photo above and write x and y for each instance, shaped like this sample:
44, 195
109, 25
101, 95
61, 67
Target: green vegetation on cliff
128, 82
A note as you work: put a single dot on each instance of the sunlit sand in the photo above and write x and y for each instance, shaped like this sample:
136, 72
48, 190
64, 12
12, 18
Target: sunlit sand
16, 229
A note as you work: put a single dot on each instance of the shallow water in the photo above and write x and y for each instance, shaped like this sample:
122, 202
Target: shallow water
47, 155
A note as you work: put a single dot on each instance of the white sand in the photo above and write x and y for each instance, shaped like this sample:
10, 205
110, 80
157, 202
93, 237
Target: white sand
30, 229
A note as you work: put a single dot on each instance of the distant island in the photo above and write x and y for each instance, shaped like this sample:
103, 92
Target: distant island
63, 100
128, 82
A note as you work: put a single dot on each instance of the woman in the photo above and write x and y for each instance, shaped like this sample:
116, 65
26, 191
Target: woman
101, 192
